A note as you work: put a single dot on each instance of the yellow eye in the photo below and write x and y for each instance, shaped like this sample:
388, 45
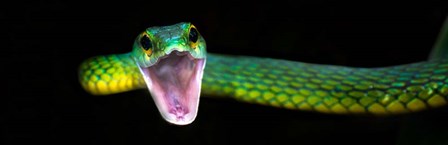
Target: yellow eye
193, 36
146, 44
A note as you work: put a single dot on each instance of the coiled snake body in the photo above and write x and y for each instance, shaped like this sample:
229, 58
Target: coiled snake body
172, 62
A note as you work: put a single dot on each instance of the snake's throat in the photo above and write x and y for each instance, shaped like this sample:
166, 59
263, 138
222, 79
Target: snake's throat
175, 83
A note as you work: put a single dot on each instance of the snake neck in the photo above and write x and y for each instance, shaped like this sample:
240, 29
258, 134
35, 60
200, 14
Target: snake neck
110, 74
327, 88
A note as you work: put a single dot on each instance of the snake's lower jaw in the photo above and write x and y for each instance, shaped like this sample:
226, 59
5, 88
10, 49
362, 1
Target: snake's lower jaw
175, 83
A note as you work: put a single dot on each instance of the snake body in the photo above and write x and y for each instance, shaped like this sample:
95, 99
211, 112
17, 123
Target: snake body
292, 85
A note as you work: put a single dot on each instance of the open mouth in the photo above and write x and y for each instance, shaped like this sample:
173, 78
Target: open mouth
175, 83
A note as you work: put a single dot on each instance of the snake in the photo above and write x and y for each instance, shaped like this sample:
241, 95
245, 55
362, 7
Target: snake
172, 63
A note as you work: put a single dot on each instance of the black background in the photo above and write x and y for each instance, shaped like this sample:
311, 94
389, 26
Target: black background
46, 41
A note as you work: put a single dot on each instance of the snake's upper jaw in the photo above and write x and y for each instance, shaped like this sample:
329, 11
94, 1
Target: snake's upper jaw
175, 83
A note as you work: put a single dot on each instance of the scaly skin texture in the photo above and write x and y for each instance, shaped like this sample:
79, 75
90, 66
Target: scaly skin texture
293, 85
110, 74
328, 88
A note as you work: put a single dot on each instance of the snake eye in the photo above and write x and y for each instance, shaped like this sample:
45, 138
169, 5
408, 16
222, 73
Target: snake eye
146, 44
193, 36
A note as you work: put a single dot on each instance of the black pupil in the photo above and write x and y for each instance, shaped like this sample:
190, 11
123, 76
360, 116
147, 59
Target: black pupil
193, 35
145, 42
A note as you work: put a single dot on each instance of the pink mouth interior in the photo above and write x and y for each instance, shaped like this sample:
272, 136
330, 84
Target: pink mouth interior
174, 83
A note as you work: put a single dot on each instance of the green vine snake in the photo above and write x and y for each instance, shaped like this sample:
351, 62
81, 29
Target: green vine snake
173, 64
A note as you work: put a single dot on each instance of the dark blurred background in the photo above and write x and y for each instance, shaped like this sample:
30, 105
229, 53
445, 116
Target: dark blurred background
46, 41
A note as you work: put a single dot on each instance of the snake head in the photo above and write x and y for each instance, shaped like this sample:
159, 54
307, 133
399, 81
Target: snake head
171, 60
